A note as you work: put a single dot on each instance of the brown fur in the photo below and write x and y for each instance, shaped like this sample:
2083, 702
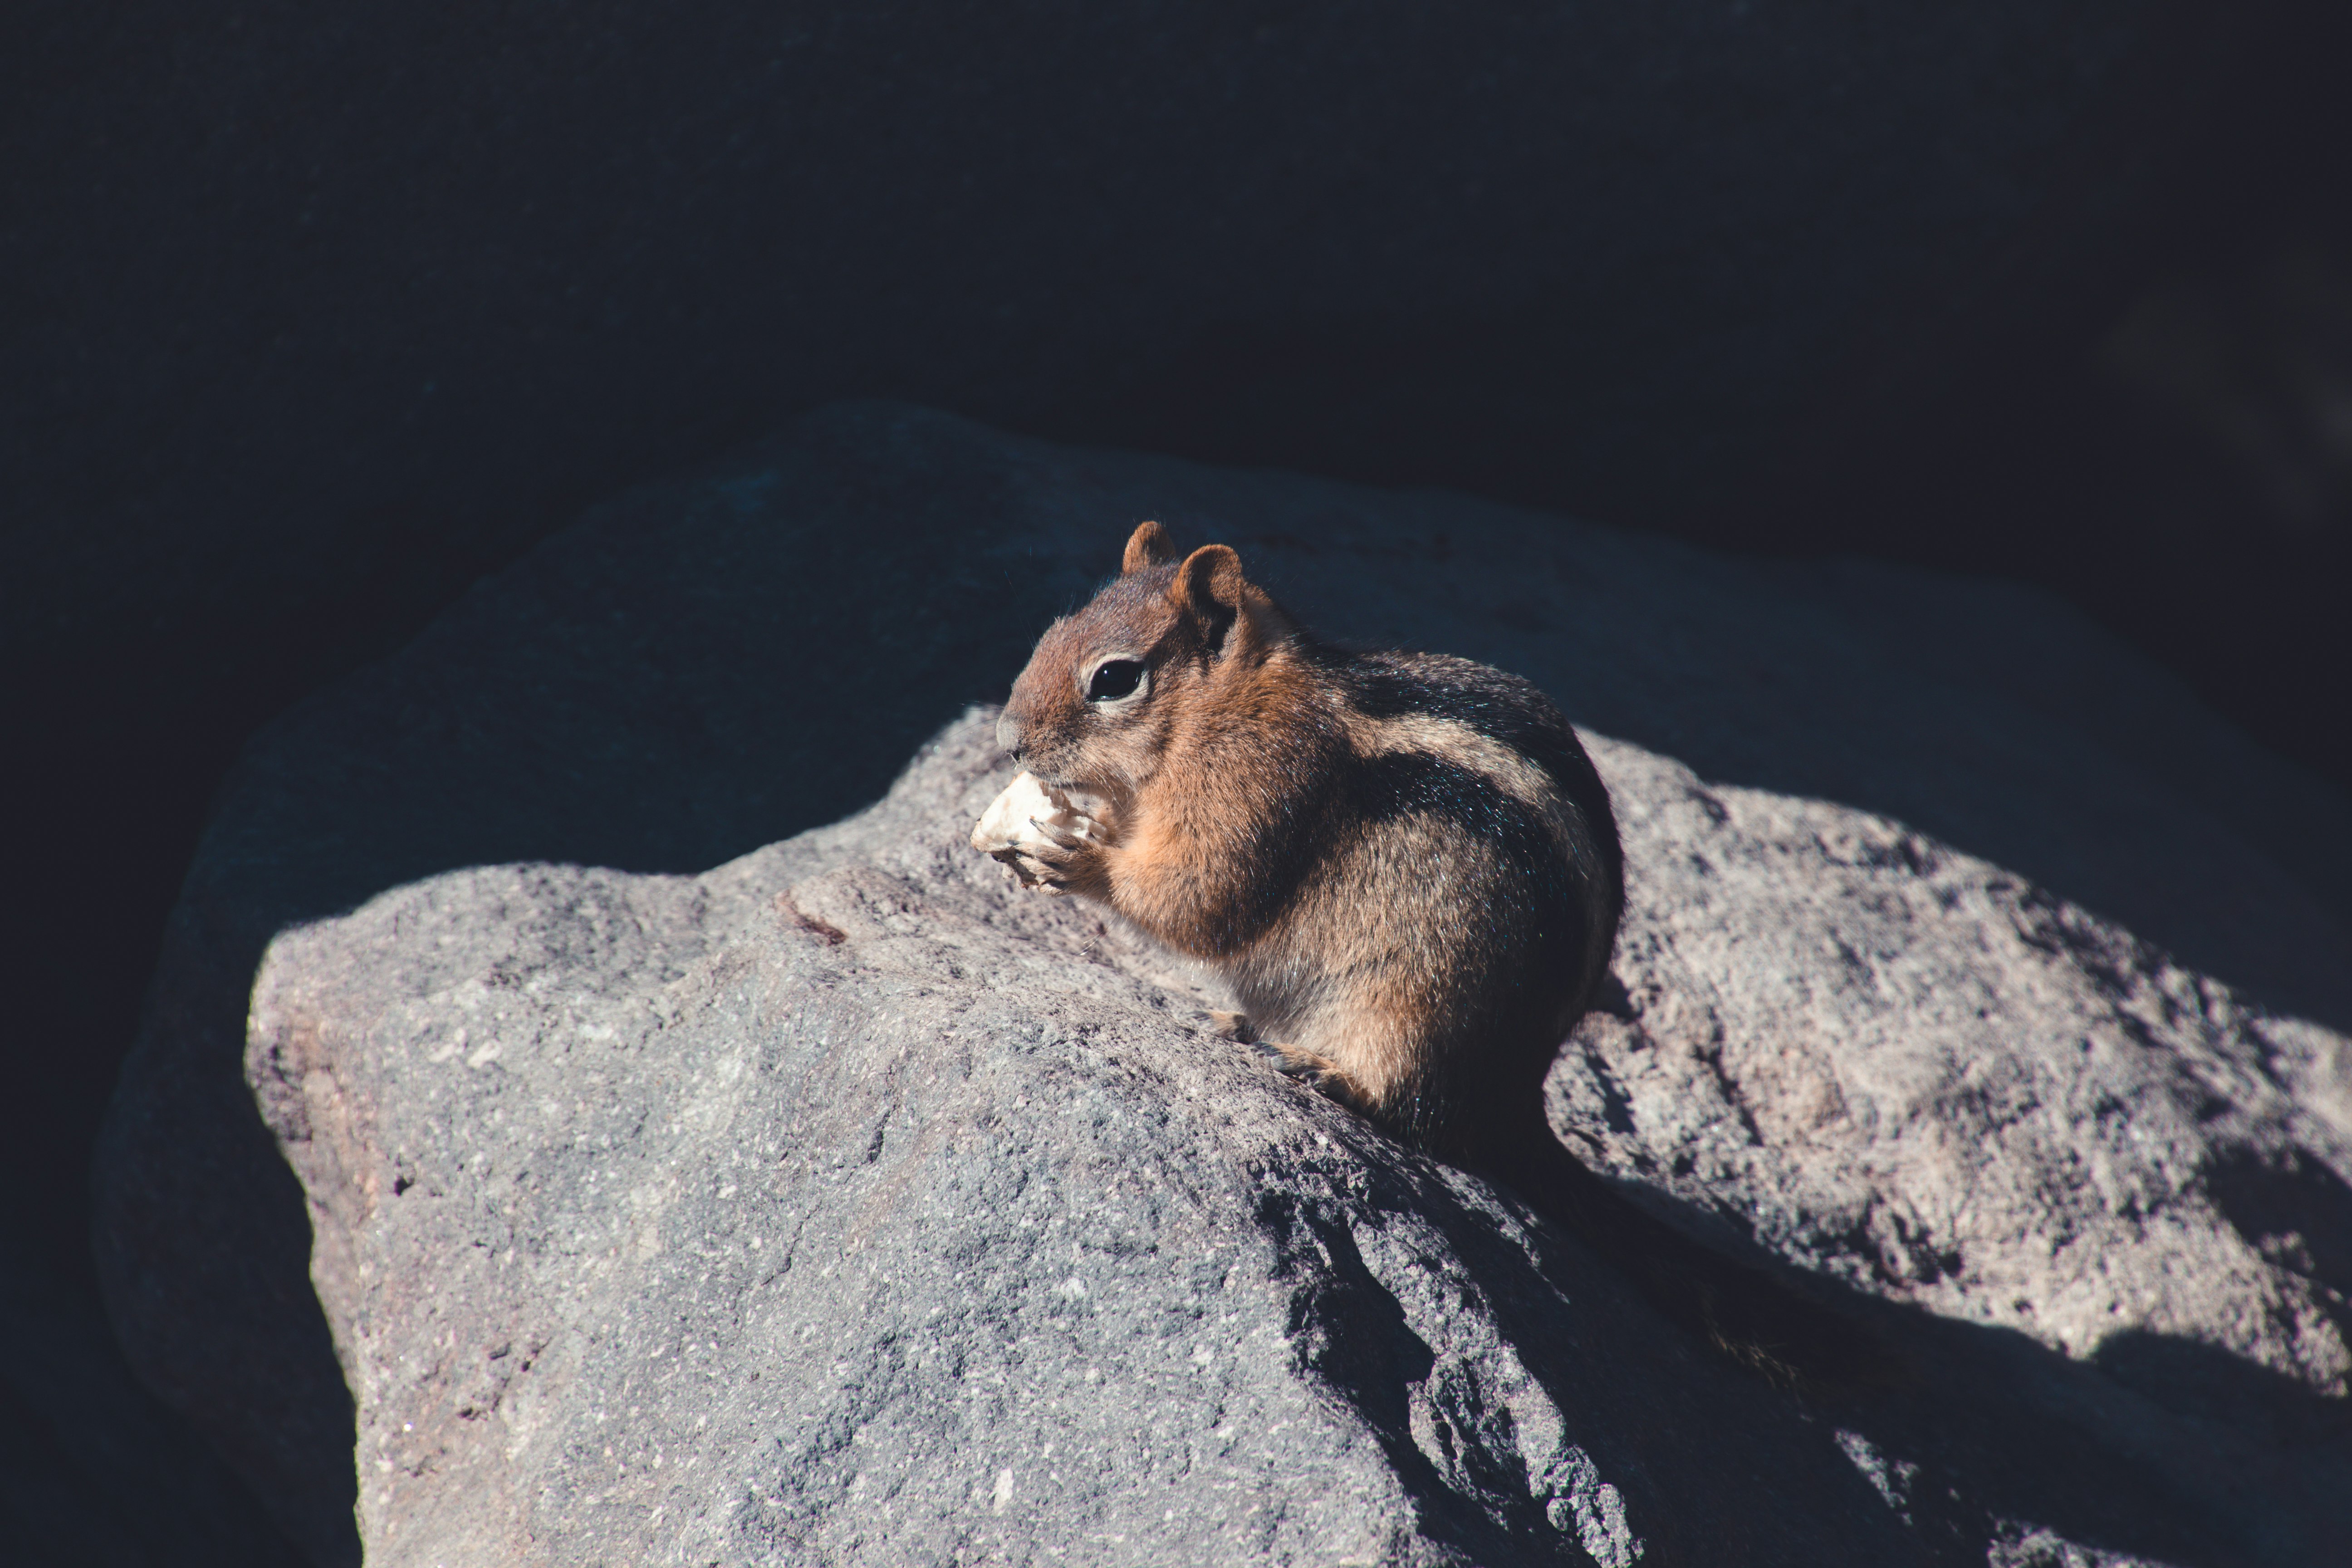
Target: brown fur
1404, 866
1374, 965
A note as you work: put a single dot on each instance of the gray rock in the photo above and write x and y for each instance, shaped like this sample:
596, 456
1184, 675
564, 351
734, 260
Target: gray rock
846, 1203
1856, 1040
843, 1204
1914, 1070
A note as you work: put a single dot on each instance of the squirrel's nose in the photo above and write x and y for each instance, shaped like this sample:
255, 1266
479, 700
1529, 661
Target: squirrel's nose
1008, 734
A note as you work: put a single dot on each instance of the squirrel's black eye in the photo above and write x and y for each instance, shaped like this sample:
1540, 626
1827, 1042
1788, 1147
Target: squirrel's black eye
1114, 679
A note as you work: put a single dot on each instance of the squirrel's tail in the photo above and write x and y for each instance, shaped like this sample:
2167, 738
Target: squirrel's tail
1769, 1327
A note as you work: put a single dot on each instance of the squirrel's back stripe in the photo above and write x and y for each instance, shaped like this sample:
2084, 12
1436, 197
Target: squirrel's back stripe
1506, 731
1453, 742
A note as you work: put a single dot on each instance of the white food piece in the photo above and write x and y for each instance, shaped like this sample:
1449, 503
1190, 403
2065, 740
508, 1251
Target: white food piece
1010, 827
1006, 820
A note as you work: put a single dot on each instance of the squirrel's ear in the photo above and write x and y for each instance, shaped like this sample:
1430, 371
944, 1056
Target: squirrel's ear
1147, 546
1210, 581
1210, 588
1233, 613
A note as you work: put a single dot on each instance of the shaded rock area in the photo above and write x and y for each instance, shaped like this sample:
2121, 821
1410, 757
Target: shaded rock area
1985, 976
334, 302
76, 1428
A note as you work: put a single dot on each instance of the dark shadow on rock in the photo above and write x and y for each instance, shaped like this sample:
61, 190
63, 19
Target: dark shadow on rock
2296, 1210
269, 1396
2207, 1383
1665, 1420
2162, 1448
75, 1424
2004, 1430
1350, 1332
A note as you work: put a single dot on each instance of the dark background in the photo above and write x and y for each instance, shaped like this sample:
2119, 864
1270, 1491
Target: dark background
309, 315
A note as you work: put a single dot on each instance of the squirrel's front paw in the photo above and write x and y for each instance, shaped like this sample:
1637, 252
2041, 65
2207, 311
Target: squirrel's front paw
1058, 858
1046, 839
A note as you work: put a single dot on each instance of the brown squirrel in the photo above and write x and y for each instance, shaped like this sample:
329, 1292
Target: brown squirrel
1404, 867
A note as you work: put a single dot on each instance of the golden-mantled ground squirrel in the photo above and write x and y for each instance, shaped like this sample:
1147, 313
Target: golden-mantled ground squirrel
1404, 866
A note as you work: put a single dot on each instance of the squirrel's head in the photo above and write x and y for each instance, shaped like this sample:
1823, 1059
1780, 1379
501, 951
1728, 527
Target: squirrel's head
1110, 687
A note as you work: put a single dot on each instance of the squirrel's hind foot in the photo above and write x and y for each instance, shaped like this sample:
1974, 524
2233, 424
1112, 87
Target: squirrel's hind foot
1320, 1074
